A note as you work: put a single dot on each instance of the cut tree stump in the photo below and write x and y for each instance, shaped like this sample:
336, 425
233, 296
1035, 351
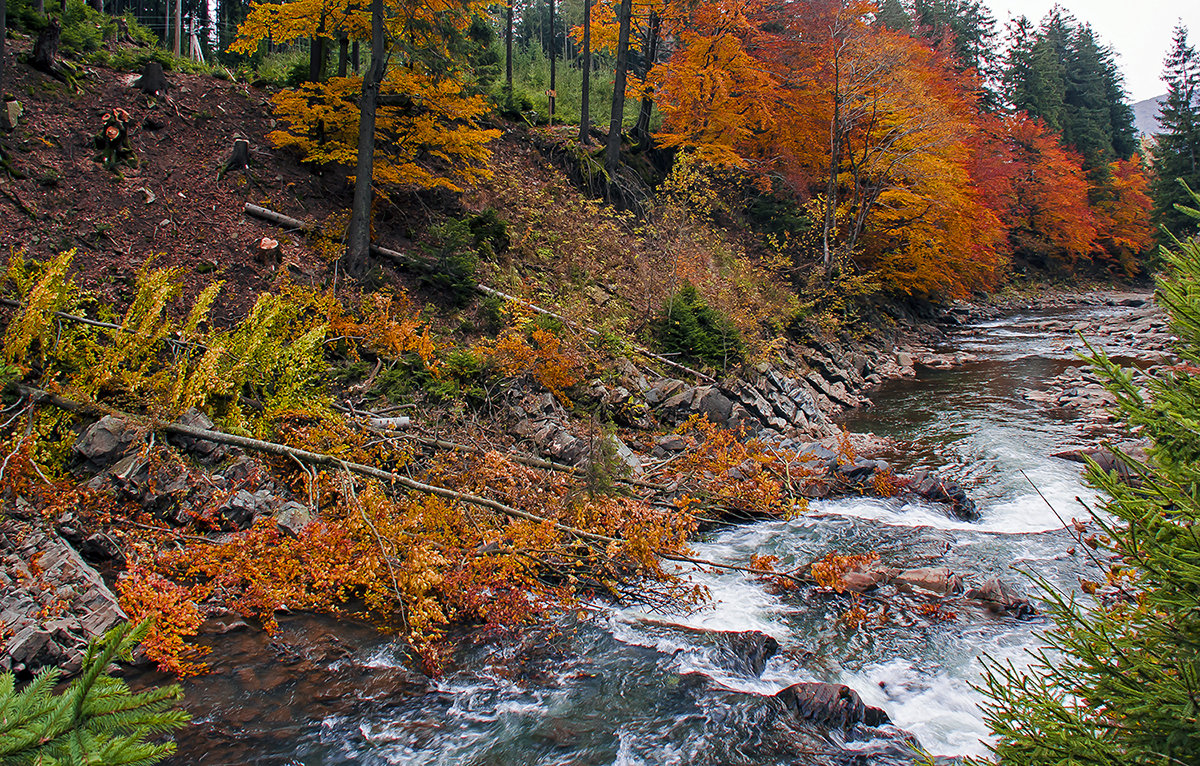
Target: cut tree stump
45, 50
112, 142
239, 158
152, 82
269, 253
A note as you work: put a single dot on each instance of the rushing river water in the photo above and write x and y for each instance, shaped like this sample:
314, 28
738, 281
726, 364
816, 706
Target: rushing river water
623, 687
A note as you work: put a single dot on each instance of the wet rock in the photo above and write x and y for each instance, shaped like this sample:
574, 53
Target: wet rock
105, 441
748, 651
830, 705
998, 596
938, 580
942, 490
858, 472
1110, 462
204, 450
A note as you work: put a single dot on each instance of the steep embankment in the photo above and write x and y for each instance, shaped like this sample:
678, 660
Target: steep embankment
516, 388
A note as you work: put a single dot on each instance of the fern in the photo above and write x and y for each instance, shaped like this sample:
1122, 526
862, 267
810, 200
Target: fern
97, 720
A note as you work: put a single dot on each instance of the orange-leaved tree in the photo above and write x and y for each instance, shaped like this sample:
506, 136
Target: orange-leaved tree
1122, 211
427, 121
1050, 221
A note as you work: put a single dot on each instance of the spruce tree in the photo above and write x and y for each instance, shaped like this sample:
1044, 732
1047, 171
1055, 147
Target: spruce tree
1119, 680
893, 15
1177, 148
97, 720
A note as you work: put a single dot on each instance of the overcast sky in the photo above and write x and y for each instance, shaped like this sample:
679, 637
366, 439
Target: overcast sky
1139, 31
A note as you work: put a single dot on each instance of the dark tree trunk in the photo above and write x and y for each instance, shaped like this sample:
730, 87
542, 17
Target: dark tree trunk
553, 63
354, 60
641, 131
585, 105
178, 26
508, 40
358, 233
316, 54
98, 6
3, 35
343, 53
45, 50
612, 151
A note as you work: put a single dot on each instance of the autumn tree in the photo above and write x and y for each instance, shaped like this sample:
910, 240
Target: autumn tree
1051, 223
1122, 210
426, 132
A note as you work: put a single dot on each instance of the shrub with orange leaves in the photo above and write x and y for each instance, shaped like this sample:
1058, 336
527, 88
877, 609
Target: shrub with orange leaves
176, 615
829, 571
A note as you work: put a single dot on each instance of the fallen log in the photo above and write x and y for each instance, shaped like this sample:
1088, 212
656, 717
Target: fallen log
296, 224
38, 396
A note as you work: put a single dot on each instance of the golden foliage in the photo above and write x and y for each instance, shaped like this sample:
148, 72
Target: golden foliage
828, 571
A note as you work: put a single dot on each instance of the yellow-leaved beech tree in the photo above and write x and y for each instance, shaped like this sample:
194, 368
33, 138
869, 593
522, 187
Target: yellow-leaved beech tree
411, 119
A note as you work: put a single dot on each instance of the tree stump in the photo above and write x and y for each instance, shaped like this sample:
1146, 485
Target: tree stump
45, 50
152, 82
239, 158
112, 142
269, 253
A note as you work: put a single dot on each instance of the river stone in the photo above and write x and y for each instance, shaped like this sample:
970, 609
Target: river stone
938, 580
998, 596
748, 651
830, 705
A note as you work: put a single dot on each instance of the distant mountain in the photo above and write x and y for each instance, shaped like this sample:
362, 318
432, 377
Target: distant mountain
1145, 115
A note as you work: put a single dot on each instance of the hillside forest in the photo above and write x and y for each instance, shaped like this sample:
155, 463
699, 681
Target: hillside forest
463, 321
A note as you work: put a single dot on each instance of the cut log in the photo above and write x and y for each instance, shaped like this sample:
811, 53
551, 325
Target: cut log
239, 158
152, 82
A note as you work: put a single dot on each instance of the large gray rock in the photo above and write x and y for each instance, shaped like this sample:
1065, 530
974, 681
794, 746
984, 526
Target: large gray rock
105, 441
938, 580
51, 601
205, 450
998, 596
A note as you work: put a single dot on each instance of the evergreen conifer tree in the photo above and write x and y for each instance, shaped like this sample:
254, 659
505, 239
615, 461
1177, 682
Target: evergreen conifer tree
1177, 147
97, 720
893, 15
1118, 683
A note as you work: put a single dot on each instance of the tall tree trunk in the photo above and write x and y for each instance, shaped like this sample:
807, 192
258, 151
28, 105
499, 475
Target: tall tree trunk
553, 62
508, 40
358, 233
612, 151
585, 103
343, 53
316, 54
641, 131
354, 59
3, 35
177, 48
835, 161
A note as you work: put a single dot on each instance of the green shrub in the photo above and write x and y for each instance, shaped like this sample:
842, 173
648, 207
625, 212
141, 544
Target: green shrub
490, 233
689, 327
453, 261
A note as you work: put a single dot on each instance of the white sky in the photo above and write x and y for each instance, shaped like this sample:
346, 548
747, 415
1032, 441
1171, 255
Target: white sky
1139, 31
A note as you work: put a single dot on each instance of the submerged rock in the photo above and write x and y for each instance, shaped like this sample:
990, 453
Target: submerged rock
748, 650
997, 596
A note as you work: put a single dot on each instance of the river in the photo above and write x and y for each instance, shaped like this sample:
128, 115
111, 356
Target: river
621, 686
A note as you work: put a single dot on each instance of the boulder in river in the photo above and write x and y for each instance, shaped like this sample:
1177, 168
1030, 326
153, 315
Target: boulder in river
942, 490
933, 579
998, 596
830, 705
748, 651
